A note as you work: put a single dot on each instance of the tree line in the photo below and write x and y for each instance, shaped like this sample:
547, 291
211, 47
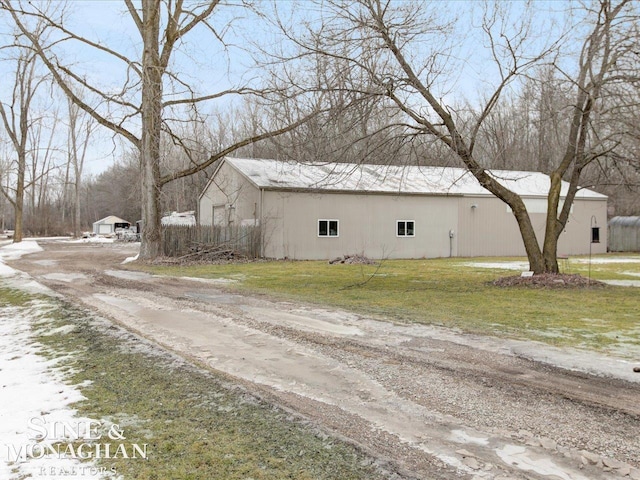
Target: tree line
374, 81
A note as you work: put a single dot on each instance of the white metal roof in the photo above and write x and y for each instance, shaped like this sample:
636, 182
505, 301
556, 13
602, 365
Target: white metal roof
365, 178
111, 219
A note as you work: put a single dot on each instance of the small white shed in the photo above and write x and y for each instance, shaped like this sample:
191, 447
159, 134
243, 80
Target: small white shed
108, 225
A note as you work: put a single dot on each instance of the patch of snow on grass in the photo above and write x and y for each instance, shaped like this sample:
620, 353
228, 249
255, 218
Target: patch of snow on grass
220, 281
520, 266
14, 251
18, 279
606, 260
96, 239
632, 274
622, 283
32, 391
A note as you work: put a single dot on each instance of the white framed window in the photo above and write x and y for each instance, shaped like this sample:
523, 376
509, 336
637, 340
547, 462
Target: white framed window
327, 228
405, 228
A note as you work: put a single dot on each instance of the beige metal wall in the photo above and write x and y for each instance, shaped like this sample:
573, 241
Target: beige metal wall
490, 229
367, 225
576, 238
230, 198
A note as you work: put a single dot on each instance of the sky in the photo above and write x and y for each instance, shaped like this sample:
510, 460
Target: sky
209, 66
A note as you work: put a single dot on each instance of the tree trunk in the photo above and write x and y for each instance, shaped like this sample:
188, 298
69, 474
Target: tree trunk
151, 119
76, 211
551, 235
19, 203
534, 254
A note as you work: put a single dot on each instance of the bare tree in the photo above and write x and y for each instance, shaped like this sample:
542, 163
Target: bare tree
80, 130
404, 50
19, 121
162, 26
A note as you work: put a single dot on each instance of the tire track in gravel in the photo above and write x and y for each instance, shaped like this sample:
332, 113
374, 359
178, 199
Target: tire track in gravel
433, 407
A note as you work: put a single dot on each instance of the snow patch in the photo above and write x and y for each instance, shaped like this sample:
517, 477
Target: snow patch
622, 283
14, 251
31, 390
521, 458
606, 260
219, 281
128, 275
96, 239
64, 277
18, 279
520, 266
460, 436
130, 259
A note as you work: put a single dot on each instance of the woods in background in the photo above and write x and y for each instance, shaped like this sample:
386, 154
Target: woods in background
338, 81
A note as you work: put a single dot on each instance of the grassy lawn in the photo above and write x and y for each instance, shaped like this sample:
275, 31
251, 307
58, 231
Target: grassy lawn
454, 293
196, 426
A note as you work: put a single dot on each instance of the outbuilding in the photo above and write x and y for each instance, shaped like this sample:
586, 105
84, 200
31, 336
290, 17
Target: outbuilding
624, 234
321, 211
108, 225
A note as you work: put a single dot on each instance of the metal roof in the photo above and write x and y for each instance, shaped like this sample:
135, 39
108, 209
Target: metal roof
366, 178
625, 221
111, 219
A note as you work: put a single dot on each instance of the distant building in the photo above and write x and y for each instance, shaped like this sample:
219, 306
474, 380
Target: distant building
108, 225
180, 218
624, 234
321, 211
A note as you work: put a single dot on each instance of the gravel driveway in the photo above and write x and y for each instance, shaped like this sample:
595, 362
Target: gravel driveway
430, 403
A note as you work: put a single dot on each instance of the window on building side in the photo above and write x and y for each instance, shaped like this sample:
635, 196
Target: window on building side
327, 228
405, 228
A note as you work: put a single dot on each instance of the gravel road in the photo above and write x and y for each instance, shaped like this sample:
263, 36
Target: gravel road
429, 403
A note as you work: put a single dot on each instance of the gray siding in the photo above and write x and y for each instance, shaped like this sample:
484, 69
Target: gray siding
624, 234
490, 229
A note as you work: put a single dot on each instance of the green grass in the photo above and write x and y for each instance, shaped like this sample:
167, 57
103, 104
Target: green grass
196, 425
611, 270
449, 292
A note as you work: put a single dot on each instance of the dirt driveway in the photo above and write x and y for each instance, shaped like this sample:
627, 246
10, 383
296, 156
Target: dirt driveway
429, 402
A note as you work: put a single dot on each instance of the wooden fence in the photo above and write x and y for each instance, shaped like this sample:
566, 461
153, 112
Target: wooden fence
178, 240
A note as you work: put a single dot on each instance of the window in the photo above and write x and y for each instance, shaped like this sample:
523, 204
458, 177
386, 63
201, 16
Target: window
406, 228
595, 234
327, 228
